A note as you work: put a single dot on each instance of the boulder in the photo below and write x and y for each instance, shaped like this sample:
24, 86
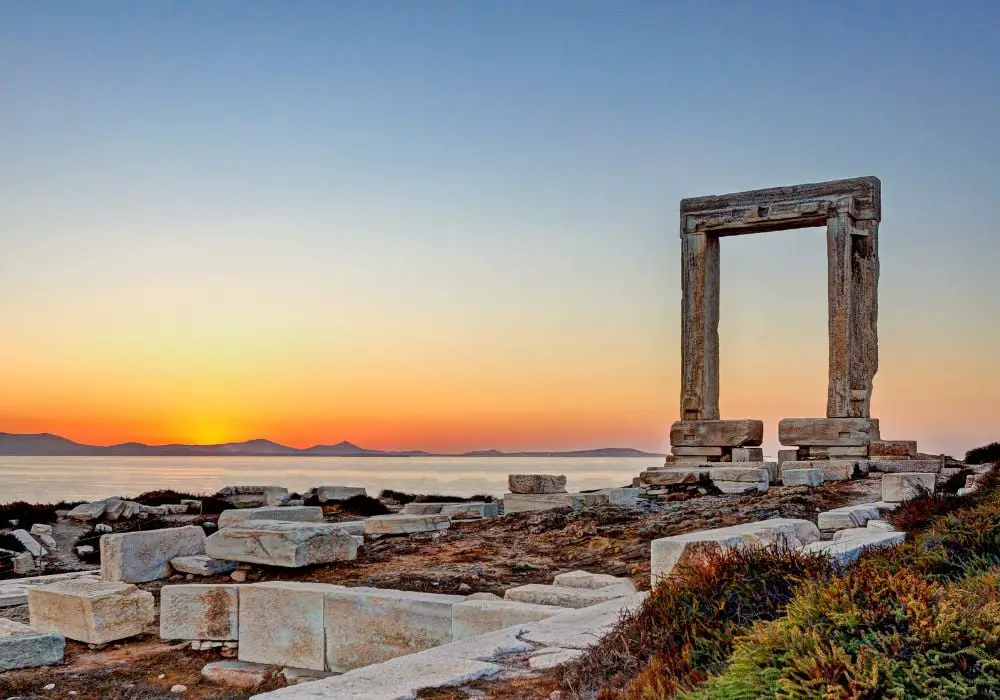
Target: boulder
475, 617
202, 565
536, 483
93, 612
368, 626
200, 611
144, 555
406, 524
670, 552
279, 543
234, 516
900, 487
22, 647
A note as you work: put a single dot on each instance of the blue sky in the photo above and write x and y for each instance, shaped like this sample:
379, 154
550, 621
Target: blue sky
437, 194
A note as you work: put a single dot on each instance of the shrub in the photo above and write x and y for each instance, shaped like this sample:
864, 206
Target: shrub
403, 498
363, 505
28, 514
984, 455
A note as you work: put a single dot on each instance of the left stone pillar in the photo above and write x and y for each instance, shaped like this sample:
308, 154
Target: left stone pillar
699, 327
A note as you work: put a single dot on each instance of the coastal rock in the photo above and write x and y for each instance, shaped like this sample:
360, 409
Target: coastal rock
137, 557
536, 483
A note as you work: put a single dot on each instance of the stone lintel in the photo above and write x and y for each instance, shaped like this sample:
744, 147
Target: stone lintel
717, 433
780, 208
827, 432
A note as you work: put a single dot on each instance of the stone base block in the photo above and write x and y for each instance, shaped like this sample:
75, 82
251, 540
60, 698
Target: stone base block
675, 476
717, 433
235, 516
202, 565
900, 487
200, 611
338, 493
406, 524
827, 432
368, 626
536, 483
802, 477
474, 617
698, 451
848, 517
282, 623
752, 474
747, 454
474, 509
816, 452
670, 552
137, 557
90, 612
787, 456
895, 466
900, 449
279, 543
518, 502
22, 647
738, 487
694, 460
422, 508
566, 597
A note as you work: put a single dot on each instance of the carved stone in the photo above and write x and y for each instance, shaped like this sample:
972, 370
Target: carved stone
717, 433
826, 432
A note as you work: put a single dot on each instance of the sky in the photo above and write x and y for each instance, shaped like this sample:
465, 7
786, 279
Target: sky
454, 225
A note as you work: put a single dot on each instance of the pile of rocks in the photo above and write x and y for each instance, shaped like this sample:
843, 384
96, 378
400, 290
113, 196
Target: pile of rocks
112, 509
254, 496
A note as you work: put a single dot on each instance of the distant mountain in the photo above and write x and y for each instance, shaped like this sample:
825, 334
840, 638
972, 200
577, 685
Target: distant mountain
48, 445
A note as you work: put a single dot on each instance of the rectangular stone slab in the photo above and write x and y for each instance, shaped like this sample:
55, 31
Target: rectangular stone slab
470, 510
827, 432
738, 487
94, 612
281, 623
697, 451
406, 524
669, 552
740, 474
518, 502
565, 596
474, 617
280, 543
893, 466
137, 557
893, 448
675, 476
536, 483
747, 454
835, 452
848, 516
338, 493
234, 516
201, 565
802, 477
847, 549
200, 611
368, 626
897, 488
22, 647
717, 433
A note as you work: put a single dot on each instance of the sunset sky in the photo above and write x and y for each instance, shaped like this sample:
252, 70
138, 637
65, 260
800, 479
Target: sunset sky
453, 225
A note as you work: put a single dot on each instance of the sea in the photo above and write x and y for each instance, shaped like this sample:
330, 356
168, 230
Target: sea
54, 479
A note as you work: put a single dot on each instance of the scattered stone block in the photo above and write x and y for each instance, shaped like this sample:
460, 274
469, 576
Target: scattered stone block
717, 433
740, 487
827, 432
90, 612
550, 657
422, 508
23, 563
281, 623
22, 647
893, 448
836, 452
474, 617
113, 509
200, 611
472, 509
585, 579
176, 509
837, 469
351, 527
519, 502
674, 476
899, 487
87, 511
566, 597
964, 491
848, 517
202, 565
581, 628
749, 474
156, 511
193, 504
294, 676
748, 454
847, 549
144, 555
787, 456
241, 675
368, 626
670, 552
40, 529
280, 543
234, 516
338, 493
895, 466
536, 483
406, 524
697, 451
254, 496
802, 477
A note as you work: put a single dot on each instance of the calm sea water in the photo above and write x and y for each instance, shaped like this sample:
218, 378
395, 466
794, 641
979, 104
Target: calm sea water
51, 479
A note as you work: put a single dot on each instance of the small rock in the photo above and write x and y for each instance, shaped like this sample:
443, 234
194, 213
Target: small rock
464, 588
240, 575
189, 577
161, 676
50, 686
178, 688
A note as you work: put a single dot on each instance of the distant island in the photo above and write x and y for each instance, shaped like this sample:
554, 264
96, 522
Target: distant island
48, 445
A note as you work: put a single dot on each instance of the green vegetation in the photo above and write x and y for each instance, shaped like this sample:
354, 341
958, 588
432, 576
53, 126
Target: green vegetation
918, 620
987, 454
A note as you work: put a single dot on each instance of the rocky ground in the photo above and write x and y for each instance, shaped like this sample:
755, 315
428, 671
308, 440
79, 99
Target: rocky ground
474, 556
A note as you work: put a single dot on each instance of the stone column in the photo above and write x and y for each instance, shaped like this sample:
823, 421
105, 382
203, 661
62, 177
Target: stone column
840, 246
699, 327
864, 296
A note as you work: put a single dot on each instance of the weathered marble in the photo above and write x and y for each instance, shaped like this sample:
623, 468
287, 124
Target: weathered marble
827, 432
201, 565
848, 517
474, 617
721, 433
536, 483
893, 466
802, 477
280, 543
338, 493
893, 449
144, 555
565, 596
90, 612
235, 516
200, 611
473, 509
406, 524
22, 647
747, 454
900, 487
518, 502
241, 675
